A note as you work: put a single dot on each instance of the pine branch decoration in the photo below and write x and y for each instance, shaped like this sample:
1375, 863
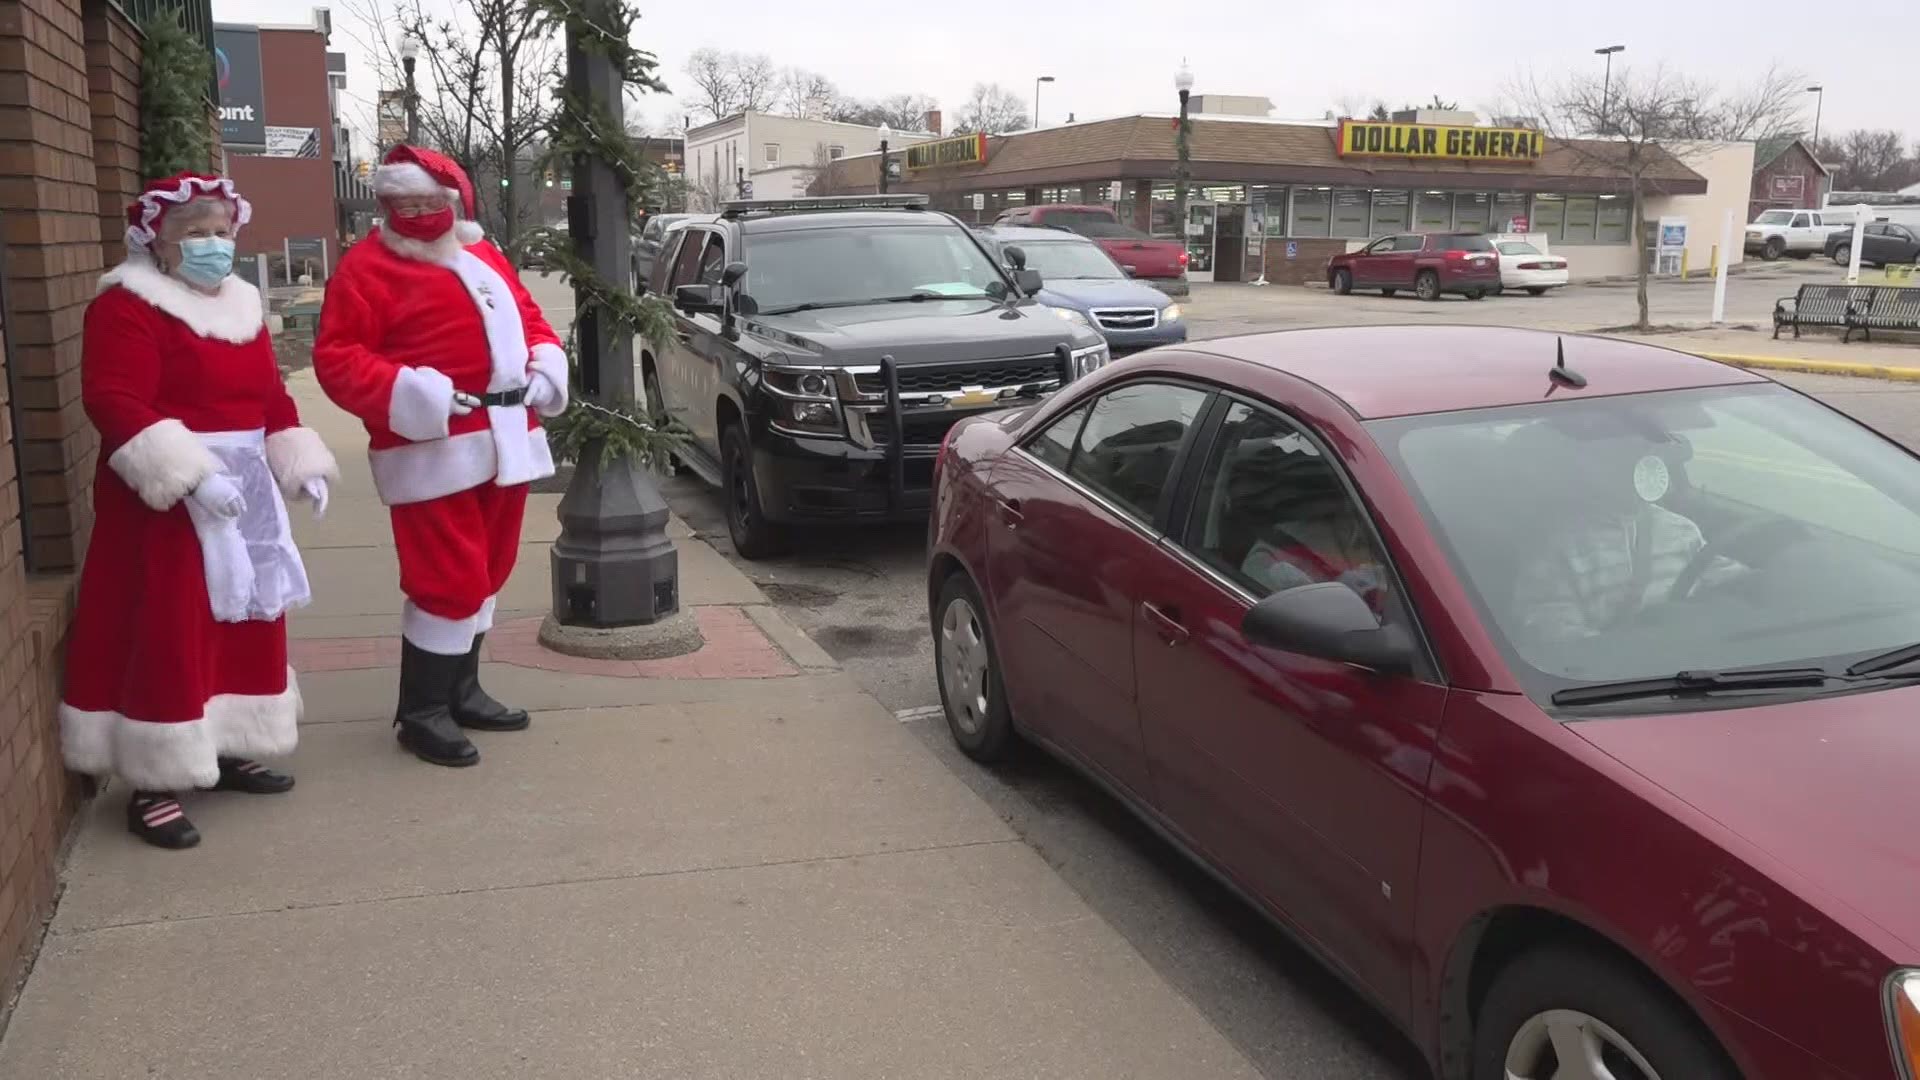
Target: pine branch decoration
175, 70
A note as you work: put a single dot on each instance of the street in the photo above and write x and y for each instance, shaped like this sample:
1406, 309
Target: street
861, 594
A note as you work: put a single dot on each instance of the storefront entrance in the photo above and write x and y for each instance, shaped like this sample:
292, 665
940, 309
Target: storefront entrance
1216, 231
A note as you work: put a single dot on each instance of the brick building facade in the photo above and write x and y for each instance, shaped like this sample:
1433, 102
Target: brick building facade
1786, 176
69, 163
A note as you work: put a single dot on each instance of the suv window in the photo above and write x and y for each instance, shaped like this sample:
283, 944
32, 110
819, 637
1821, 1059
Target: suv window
713, 260
686, 260
1272, 514
1123, 444
1464, 243
858, 264
1409, 243
1380, 246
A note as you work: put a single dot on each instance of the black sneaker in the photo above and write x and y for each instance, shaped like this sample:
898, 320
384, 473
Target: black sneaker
241, 774
157, 818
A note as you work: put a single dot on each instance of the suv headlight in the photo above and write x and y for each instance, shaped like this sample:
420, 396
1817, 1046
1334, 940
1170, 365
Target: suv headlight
805, 400
1076, 317
1903, 1022
1089, 360
1170, 313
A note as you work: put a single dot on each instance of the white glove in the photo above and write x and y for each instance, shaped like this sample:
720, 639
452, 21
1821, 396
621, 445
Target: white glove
315, 492
539, 393
219, 496
462, 404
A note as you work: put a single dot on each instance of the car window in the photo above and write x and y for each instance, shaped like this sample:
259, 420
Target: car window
1517, 247
1380, 246
1464, 243
686, 262
857, 264
1126, 448
1070, 259
652, 231
1877, 230
1054, 444
713, 260
1899, 233
1410, 243
1773, 217
1271, 513
1799, 221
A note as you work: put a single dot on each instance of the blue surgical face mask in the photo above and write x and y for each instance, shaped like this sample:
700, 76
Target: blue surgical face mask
206, 260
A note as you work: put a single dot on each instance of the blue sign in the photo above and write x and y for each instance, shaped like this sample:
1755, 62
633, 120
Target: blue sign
1673, 236
1293, 249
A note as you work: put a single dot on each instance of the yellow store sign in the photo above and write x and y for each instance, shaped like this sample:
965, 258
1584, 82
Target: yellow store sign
964, 150
1382, 138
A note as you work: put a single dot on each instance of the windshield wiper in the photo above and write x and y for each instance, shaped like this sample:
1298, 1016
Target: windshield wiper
924, 295
1693, 682
1892, 658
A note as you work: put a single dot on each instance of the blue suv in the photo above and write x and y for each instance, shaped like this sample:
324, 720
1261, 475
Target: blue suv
1083, 285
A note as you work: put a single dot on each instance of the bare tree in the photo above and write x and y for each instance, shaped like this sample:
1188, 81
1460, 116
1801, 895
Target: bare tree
902, 112
725, 83
1869, 161
823, 181
991, 108
1768, 107
806, 94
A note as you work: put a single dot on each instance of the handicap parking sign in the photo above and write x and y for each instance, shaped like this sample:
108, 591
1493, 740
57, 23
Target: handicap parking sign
1293, 250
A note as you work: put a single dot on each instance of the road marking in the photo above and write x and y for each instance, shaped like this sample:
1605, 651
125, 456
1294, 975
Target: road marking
924, 712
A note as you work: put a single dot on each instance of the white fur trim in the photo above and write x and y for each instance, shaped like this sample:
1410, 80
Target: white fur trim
421, 405
399, 178
483, 619
233, 314
297, 455
440, 251
177, 757
493, 300
445, 637
468, 232
549, 362
163, 463
420, 471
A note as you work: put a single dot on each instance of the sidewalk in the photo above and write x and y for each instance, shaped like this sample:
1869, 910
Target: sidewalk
730, 865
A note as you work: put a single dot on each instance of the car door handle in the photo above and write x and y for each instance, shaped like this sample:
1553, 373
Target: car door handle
1166, 623
1010, 514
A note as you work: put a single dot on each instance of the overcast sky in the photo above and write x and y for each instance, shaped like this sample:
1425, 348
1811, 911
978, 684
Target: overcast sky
1119, 56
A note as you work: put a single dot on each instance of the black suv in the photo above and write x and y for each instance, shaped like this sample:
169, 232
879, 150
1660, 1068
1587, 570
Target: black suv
825, 346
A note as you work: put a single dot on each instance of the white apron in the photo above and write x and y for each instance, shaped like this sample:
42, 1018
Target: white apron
253, 570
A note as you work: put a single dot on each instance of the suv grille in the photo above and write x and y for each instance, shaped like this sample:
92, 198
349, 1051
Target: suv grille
925, 430
931, 378
1126, 318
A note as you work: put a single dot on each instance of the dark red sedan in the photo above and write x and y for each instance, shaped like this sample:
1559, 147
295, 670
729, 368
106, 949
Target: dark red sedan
1425, 264
1564, 708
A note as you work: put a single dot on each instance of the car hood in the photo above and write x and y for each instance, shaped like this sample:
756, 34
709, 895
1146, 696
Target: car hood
1085, 293
926, 331
1824, 785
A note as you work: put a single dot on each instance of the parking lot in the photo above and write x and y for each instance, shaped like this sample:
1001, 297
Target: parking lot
861, 594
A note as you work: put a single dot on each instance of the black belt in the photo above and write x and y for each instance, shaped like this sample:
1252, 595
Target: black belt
504, 398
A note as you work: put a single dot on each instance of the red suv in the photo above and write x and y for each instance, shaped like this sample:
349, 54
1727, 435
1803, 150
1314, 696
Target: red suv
1429, 264
1160, 263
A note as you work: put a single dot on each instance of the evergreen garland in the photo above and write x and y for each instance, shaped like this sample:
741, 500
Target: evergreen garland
585, 129
175, 132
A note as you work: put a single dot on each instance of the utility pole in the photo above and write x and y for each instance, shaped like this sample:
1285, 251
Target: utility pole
1606, 82
613, 565
409, 54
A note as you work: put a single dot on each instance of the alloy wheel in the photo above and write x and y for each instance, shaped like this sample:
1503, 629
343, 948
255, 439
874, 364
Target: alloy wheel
965, 665
1567, 1044
1428, 286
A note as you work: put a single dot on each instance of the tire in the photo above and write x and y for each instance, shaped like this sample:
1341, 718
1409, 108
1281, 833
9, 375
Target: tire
1536, 290
754, 537
1841, 256
1342, 283
1475, 294
973, 696
1773, 249
1559, 985
657, 411
1426, 285
1388, 292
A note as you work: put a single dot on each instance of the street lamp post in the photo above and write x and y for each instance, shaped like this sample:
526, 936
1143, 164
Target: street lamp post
1819, 103
409, 54
1183, 157
886, 134
1036, 98
1606, 82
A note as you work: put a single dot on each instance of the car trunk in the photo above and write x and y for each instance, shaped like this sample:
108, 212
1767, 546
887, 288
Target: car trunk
1143, 256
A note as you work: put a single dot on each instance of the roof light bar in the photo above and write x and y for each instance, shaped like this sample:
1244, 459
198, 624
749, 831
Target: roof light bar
738, 207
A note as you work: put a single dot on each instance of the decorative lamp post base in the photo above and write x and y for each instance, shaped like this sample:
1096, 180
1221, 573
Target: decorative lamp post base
616, 575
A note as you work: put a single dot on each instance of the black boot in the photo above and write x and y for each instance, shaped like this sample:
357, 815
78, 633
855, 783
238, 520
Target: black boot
475, 708
426, 726
156, 817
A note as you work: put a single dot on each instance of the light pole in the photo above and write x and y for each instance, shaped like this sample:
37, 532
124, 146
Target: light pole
1819, 103
1036, 98
409, 53
1606, 81
886, 134
1182, 154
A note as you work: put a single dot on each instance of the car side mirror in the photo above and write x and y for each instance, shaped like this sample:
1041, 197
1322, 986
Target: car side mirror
1028, 281
698, 300
1328, 620
1015, 257
733, 273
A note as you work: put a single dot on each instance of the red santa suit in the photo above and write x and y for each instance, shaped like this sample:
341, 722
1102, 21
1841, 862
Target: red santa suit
178, 653
407, 325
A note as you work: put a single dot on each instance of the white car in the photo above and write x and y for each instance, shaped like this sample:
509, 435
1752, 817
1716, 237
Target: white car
1523, 266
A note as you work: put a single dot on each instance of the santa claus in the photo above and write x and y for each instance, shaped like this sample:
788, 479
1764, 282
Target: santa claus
429, 338
177, 663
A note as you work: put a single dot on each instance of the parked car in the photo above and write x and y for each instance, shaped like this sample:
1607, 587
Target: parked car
1881, 243
536, 260
1563, 707
1798, 233
1083, 284
648, 242
1523, 266
1160, 263
823, 347
1428, 264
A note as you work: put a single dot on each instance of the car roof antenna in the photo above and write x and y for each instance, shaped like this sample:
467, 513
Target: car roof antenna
1560, 372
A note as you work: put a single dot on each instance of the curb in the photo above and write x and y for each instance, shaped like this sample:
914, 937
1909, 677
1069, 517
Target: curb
1846, 368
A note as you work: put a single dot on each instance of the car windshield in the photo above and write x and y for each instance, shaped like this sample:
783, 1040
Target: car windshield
866, 263
1637, 536
1774, 217
1517, 247
1059, 260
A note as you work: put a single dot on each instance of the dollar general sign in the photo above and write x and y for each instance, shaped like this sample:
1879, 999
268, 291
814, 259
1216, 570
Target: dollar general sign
1380, 138
965, 150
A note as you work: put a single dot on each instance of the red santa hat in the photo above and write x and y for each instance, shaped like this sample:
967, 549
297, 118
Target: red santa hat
144, 214
415, 170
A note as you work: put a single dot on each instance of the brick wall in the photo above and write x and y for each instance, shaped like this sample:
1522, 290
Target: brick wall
113, 88
1308, 265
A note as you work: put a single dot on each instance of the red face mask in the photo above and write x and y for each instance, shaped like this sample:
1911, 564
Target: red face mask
423, 227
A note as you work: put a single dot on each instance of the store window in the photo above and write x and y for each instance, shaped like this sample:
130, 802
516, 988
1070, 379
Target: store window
1311, 206
1165, 221
1471, 212
835, 153
1435, 212
772, 150
1615, 219
1579, 226
1350, 208
1510, 212
1549, 214
1277, 214
1392, 212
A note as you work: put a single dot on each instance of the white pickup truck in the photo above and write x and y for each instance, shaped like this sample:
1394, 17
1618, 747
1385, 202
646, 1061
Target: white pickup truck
1799, 233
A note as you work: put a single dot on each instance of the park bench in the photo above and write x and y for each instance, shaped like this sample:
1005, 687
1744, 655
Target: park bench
1848, 308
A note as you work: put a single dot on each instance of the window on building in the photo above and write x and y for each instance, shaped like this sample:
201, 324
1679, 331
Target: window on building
772, 155
1392, 212
1471, 212
1350, 208
1579, 225
1615, 219
1277, 198
1509, 208
1310, 209
1434, 212
1549, 215
835, 153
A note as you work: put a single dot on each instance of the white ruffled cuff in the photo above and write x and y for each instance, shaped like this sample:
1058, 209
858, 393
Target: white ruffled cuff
297, 456
549, 363
163, 463
421, 404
